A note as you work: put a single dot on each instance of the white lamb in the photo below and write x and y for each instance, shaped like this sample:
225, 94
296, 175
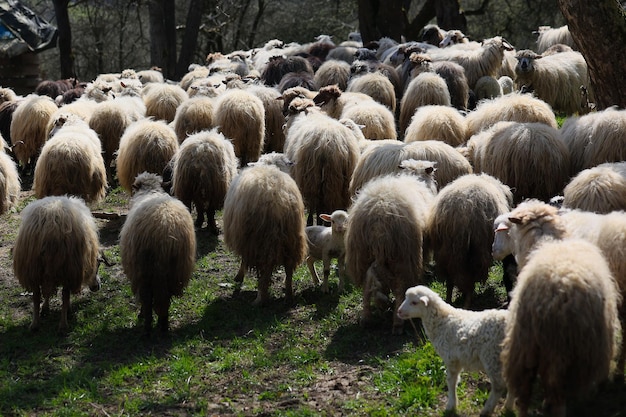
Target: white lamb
326, 243
464, 339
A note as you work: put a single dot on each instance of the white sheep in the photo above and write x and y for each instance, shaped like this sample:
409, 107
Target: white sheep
375, 85
385, 235
600, 189
427, 88
465, 340
56, 246
264, 224
326, 243
10, 183
157, 247
557, 79
432, 122
549, 36
162, 100
192, 116
333, 71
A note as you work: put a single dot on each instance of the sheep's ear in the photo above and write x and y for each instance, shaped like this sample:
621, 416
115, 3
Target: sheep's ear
430, 170
502, 227
424, 300
325, 217
515, 220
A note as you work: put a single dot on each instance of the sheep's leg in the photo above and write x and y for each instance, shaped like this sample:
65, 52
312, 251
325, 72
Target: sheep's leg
497, 391
326, 261
309, 218
621, 361
263, 293
524, 394
310, 262
65, 307
146, 307
449, 290
211, 222
341, 271
289, 285
239, 277
452, 379
368, 287
36, 306
162, 310
200, 219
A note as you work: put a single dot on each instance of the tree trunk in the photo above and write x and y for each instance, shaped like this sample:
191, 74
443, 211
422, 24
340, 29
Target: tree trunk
379, 18
598, 28
163, 36
449, 15
190, 37
66, 55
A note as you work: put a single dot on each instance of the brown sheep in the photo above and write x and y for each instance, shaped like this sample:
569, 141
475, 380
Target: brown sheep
157, 247
275, 236
56, 246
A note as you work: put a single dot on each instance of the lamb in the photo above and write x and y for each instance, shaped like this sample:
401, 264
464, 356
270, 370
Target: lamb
10, 185
147, 145
556, 78
466, 209
513, 107
240, 116
443, 123
162, 100
559, 277
601, 189
157, 248
324, 153
325, 243
71, 163
56, 246
385, 158
192, 116
275, 237
465, 340
385, 235
479, 62
204, 168
509, 149
425, 89
29, 128
333, 101
595, 138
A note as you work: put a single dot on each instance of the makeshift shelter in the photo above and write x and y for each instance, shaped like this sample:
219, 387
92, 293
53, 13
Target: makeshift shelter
22, 35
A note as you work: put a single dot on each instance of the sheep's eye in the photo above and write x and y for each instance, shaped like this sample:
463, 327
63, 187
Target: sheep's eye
414, 303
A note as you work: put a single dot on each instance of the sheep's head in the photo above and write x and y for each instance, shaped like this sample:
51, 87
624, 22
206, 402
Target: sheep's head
502, 244
525, 61
338, 221
327, 94
277, 159
423, 170
416, 302
500, 42
146, 182
453, 37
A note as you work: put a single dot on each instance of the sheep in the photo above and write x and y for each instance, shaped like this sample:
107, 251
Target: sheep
513, 107
385, 158
486, 60
195, 74
460, 234
465, 340
487, 87
438, 122
110, 120
331, 72
454, 76
432, 34
71, 163
54, 88
56, 246
162, 100
548, 36
192, 116
377, 86
377, 120
278, 66
147, 145
324, 153
325, 243
556, 79
297, 79
425, 89
274, 118
595, 138
509, 150
385, 233
7, 94
29, 128
152, 75
560, 276
157, 248
240, 116
10, 185
275, 237
333, 101
453, 37
7, 108
204, 168
506, 84
600, 189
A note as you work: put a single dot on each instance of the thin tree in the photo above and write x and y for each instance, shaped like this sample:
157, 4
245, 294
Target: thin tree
66, 55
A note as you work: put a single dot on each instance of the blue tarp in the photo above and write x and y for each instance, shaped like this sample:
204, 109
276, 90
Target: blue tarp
26, 30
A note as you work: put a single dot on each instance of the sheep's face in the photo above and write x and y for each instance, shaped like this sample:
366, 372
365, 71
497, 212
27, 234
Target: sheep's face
501, 246
338, 221
526, 61
415, 303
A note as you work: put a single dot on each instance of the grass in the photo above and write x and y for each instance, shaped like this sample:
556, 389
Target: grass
222, 356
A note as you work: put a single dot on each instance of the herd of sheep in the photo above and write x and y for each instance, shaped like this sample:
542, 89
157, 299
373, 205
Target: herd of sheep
442, 151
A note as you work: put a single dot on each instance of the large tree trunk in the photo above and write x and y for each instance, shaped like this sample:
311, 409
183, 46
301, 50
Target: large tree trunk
66, 54
599, 28
190, 37
378, 18
163, 36
449, 15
